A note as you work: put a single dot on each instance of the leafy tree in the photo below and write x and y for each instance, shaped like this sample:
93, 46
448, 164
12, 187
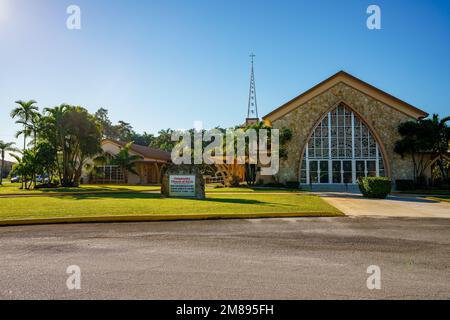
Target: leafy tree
126, 161
106, 126
25, 112
285, 135
124, 130
25, 167
163, 141
77, 137
440, 141
144, 139
45, 159
5, 147
416, 141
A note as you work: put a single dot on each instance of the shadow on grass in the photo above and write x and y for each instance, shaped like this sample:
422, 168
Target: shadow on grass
91, 189
148, 196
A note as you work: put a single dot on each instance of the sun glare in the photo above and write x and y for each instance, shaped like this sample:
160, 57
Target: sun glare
4, 5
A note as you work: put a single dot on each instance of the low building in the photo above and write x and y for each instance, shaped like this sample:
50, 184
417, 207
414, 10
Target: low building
148, 168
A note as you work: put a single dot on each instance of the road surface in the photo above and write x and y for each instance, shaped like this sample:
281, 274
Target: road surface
304, 258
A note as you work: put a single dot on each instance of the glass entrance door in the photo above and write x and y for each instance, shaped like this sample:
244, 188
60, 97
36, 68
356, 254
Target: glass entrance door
341, 149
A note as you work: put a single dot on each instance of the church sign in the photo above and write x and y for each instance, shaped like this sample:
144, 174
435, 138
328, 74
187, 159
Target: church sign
182, 186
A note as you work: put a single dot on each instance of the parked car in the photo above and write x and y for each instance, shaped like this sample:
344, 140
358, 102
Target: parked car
15, 179
42, 179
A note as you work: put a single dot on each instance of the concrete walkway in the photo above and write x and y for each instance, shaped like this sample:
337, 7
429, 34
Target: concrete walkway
394, 206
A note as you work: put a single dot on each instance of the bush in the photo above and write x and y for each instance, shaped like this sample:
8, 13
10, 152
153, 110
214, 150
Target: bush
421, 182
292, 184
274, 185
46, 186
375, 187
405, 185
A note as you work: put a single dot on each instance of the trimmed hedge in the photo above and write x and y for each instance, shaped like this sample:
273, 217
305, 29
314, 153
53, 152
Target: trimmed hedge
405, 185
375, 187
293, 185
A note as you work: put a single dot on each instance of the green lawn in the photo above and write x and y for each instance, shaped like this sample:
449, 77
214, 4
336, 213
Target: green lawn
13, 188
428, 192
438, 198
248, 190
148, 204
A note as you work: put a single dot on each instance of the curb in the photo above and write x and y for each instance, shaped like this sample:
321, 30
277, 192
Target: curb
165, 217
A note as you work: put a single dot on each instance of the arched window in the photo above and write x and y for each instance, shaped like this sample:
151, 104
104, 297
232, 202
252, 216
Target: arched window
341, 150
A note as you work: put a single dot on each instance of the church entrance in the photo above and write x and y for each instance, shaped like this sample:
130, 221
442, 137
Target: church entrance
341, 150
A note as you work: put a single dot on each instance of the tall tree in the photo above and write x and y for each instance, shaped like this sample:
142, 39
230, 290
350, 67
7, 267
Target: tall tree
285, 135
5, 147
417, 142
124, 130
108, 130
144, 139
77, 137
440, 140
25, 112
163, 141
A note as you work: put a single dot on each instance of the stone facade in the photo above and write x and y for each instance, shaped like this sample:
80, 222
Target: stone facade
382, 119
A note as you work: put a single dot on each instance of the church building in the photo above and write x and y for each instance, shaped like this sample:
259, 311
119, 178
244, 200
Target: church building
342, 129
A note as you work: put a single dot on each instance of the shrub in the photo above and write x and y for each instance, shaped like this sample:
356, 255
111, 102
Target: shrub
421, 182
375, 187
404, 185
292, 184
274, 185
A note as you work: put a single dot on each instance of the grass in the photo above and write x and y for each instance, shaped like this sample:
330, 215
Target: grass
14, 188
101, 205
428, 192
248, 190
439, 198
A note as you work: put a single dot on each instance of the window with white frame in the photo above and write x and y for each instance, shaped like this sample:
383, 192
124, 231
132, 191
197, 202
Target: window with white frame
109, 174
341, 150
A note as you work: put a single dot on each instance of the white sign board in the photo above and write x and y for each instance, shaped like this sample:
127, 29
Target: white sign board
182, 186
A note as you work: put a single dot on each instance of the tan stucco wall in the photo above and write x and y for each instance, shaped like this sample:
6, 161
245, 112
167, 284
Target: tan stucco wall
383, 119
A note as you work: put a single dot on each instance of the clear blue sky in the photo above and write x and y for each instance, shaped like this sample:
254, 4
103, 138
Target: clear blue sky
160, 64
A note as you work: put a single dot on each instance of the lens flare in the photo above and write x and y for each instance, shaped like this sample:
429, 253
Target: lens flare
4, 5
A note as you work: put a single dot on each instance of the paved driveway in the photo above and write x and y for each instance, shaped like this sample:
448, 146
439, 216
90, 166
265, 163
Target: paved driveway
296, 258
394, 206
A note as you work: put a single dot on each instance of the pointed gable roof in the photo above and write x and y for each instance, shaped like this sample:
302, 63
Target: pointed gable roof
353, 82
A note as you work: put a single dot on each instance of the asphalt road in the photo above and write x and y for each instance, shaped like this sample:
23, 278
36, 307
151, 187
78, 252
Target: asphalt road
309, 258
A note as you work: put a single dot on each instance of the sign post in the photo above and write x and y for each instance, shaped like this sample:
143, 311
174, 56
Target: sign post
182, 186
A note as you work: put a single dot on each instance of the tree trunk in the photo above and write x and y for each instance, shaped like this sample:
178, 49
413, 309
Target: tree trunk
24, 148
125, 175
441, 167
34, 173
2, 167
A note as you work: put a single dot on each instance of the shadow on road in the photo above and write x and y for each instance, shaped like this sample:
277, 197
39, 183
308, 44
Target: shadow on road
414, 199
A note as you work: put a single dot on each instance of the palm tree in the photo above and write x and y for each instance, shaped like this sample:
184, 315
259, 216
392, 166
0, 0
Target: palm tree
126, 161
4, 147
26, 112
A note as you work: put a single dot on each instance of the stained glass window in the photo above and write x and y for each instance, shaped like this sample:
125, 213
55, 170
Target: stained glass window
341, 150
